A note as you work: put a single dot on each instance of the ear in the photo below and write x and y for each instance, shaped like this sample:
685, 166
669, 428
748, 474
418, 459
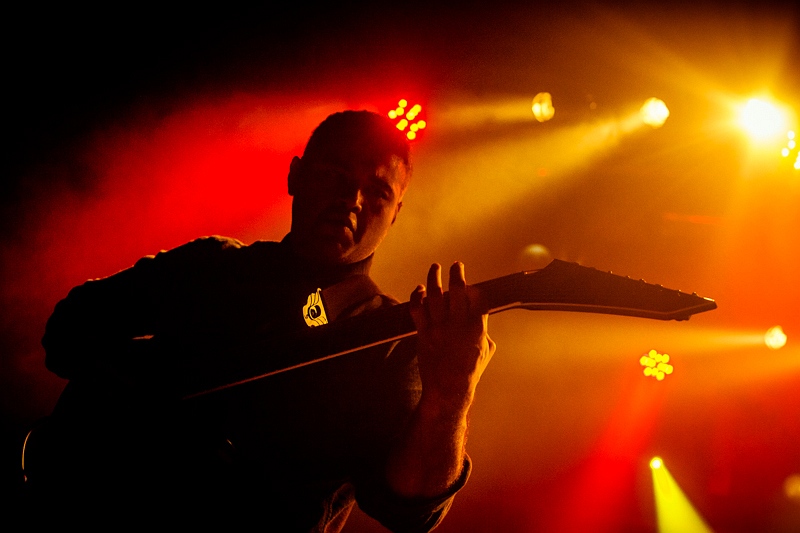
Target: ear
294, 174
396, 211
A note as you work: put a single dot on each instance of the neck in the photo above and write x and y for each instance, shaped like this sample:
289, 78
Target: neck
325, 272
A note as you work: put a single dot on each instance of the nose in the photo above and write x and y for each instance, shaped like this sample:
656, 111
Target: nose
350, 194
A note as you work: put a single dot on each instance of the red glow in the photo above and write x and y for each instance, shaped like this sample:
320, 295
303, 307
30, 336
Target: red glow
601, 493
146, 184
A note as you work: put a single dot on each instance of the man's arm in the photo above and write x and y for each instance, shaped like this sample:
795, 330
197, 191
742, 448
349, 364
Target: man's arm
454, 349
91, 331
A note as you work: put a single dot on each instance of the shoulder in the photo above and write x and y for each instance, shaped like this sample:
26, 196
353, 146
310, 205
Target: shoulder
209, 248
208, 244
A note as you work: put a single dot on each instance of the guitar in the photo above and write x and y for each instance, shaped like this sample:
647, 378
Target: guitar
560, 286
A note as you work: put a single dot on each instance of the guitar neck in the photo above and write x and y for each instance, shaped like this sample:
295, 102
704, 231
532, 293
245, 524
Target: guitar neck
560, 286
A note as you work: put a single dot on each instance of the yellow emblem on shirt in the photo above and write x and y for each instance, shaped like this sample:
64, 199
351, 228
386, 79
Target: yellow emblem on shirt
313, 311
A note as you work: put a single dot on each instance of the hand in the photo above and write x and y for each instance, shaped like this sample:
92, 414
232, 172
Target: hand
454, 344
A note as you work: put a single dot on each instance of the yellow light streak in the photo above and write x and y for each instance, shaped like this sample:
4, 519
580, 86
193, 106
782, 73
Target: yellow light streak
674, 511
495, 168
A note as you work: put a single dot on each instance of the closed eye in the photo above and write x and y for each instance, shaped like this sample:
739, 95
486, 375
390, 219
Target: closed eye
380, 189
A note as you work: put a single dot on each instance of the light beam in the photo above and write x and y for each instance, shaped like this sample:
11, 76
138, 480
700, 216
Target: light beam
674, 511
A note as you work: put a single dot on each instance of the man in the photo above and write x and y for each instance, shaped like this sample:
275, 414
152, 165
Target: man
384, 426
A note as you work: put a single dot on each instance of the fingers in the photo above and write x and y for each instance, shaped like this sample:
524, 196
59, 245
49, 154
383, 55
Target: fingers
417, 308
459, 301
435, 299
429, 306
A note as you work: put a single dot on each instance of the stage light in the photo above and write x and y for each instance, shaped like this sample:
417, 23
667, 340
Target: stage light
654, 112
408, 121
542, 107
763, 120
656, 365
775, 338
674, 511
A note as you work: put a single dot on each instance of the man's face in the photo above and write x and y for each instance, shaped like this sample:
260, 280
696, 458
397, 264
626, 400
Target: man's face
345, 201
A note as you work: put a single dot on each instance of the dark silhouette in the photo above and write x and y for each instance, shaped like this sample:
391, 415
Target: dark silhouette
384, 427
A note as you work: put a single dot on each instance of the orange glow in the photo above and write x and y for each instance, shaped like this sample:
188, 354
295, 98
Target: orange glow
791, 487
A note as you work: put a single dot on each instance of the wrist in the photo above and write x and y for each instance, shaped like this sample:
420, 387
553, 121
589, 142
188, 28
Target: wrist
449, 408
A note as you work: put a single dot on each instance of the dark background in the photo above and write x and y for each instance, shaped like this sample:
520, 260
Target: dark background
130, 131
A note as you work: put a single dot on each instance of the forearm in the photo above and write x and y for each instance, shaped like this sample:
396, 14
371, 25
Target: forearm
429, 459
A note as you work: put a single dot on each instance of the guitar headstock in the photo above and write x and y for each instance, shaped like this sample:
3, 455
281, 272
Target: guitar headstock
567, 286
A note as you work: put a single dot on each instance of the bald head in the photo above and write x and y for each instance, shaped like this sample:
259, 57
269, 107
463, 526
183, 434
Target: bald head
348, 187
371, 134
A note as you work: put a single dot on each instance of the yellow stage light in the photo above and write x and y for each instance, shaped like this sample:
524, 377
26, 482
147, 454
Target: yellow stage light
408, 121
656, 365
674, 511
775, 338
654, 112
542, 107
763, 120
